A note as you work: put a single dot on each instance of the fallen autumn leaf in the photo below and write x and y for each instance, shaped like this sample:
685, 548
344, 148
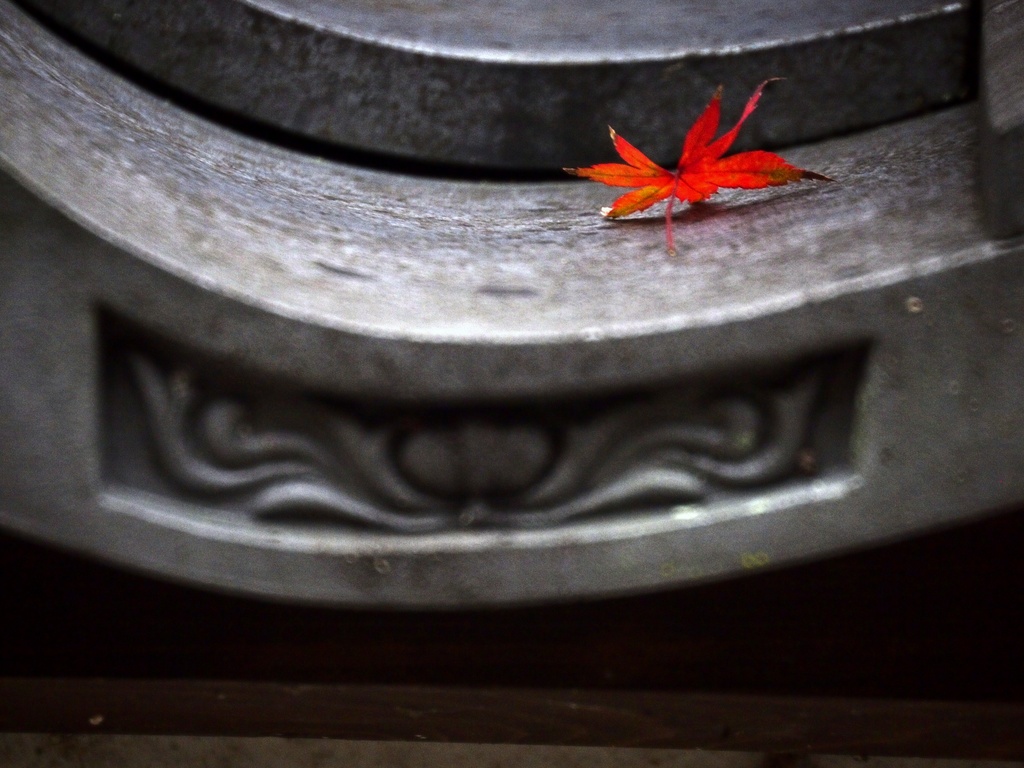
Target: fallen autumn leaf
701, 170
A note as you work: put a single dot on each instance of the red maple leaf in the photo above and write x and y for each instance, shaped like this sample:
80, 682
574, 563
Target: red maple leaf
701, 171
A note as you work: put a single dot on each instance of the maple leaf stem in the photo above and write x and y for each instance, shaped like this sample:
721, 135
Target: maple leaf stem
669, 237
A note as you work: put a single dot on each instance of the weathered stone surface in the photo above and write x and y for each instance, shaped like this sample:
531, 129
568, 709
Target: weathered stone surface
280, 303
530, 83
1002, 99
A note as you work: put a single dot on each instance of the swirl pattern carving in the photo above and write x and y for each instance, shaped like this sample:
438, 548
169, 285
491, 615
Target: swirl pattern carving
296, 458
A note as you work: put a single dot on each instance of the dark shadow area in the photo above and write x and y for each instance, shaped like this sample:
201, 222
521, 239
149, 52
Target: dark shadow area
936, 617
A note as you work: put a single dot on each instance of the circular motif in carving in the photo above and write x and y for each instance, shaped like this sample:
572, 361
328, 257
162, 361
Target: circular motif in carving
475, 459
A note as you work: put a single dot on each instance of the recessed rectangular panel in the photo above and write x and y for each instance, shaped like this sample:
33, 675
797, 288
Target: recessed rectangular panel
233, 441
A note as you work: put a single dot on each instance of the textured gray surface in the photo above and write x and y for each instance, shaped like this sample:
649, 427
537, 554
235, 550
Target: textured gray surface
122, 214
524, 280
531, 84
1002, 98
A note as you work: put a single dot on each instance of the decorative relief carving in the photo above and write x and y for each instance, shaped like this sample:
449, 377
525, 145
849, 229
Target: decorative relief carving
291, 458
